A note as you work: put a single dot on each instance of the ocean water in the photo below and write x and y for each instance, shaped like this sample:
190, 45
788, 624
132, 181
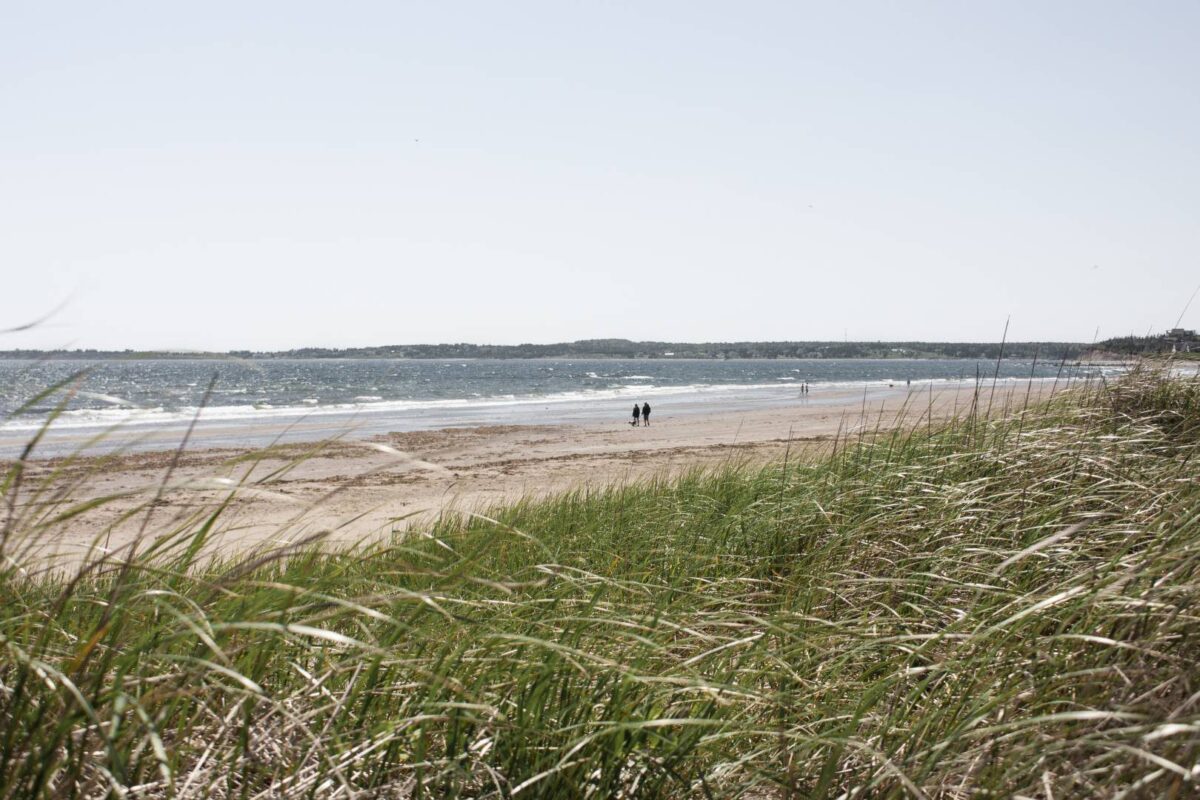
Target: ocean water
311, 398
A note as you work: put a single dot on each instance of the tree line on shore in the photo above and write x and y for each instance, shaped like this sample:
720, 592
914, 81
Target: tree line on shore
618, 348
1176, 340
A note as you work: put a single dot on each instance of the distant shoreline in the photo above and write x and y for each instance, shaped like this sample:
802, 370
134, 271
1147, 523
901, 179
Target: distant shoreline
607, 349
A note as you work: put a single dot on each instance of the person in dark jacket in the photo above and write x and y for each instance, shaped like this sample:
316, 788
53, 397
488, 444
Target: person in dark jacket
646, 414
636, 413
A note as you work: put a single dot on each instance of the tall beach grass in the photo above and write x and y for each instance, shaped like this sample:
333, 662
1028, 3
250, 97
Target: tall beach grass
998, 606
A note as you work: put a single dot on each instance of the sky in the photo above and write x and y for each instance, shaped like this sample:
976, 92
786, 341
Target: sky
269, 175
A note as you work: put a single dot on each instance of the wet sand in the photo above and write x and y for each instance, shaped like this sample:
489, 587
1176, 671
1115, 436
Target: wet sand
351, 491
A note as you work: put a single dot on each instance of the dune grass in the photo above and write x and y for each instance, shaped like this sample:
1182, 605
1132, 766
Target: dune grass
988, 608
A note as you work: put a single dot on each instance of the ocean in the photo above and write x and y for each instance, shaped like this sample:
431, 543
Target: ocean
146, 404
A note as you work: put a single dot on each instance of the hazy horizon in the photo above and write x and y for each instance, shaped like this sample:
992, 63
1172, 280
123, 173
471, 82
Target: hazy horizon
541, 344
276, 176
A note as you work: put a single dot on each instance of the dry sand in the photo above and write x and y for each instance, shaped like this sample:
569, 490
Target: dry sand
353, 491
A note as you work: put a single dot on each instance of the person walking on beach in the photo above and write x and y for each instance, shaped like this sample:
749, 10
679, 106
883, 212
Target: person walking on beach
637, 412
646, 414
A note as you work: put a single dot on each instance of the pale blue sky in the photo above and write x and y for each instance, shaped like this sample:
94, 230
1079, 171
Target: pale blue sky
269, 175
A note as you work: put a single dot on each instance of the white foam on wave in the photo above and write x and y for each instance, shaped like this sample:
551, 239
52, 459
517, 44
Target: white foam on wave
106, 398
107, 417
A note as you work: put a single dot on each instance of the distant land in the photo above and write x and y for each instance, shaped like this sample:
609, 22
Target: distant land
618, 348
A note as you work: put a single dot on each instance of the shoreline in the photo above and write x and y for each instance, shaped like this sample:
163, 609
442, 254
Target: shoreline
95, 431
348, 491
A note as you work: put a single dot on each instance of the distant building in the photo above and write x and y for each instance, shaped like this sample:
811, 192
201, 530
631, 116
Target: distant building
1182, 340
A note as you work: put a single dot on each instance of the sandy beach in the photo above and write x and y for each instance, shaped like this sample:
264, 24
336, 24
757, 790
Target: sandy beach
352, 491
